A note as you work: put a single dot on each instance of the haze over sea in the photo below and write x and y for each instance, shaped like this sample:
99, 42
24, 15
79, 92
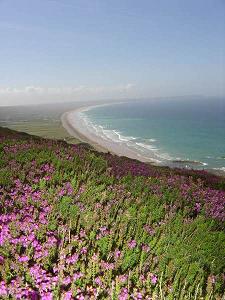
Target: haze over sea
183, 132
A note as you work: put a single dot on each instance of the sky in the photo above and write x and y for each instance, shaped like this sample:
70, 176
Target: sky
68, 50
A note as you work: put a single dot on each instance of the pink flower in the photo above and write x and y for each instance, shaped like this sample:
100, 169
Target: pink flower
77, 276
3, 289
132, 244
123, 278
72, 259
212, 279
117, 254
47, 296
124, 294
67, 280
142, 277
154, 279
95, 257
23, 258
68, 295
145, 248
107, 265
1, 260
80, 297
98, 281
83, 250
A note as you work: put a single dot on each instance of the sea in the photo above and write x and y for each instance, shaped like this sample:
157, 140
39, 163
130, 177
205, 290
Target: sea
186, 132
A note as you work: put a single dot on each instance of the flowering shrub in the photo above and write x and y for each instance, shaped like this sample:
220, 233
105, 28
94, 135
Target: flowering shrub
75, 224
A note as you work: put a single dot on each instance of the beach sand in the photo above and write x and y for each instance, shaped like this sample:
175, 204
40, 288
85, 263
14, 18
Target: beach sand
75, 125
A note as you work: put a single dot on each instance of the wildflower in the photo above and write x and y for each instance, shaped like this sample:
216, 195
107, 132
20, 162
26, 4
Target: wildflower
142, 278
212, 279
23, 258
80, 297
83, 250
67, 280
132, 244
117, 254
95, 257
1, 260
154, 279
98, 281
3, 289
72, 259
107, 265
197, 207
82, 233
123, 294
47, 296
123, 278
149, 229
77, 276
68, 295
145, 248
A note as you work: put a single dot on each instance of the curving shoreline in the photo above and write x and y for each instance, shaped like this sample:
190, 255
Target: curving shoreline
75, 125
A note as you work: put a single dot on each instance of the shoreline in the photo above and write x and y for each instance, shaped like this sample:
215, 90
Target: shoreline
76, 127
72, 123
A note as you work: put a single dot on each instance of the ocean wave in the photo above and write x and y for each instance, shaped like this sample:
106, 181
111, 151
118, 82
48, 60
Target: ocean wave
123, 137
144, 148
147, 146
189, 162
220, 169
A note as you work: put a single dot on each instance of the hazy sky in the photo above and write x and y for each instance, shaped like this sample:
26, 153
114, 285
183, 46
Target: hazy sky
60, 50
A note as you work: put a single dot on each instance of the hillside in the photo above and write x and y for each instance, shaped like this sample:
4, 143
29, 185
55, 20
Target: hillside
79, 224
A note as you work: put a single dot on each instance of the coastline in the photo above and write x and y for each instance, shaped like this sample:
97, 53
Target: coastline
75, 125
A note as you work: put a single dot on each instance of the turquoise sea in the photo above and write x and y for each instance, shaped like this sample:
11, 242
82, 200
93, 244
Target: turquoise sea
183, 132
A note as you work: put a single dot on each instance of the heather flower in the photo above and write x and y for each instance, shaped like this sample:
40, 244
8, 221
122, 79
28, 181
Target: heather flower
23, 258
83, 250
77, 276
197, 207
72, 259
122, 278
145, 248
117, 254
149, 229
94, 257
1, 260
212, 279
82, 233
107, 265
123, 294
132, 244
68, 295
142, 278
80, 297
47, 296
33, 295
67, 280
98, 281
3, 289
154, 279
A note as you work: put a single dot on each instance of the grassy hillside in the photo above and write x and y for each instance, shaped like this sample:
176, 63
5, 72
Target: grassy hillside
77, 224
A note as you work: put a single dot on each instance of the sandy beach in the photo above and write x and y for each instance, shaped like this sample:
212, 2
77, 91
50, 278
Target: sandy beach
75, 125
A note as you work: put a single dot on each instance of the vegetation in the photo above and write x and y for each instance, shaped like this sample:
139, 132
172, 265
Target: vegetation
76, 224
